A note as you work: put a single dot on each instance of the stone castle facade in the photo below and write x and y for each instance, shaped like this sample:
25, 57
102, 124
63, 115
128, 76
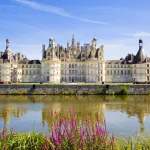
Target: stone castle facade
74, 64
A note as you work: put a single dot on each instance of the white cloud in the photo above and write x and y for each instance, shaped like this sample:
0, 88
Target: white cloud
139, 34
55, 10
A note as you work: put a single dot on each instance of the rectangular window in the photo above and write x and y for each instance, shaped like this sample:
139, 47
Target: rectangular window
121, 72
76, 72
62, 72
147, 78
111, 72
128, 71
72, 65
108, 72
69, 65
69, 71
147, 65
147, 71
72, 71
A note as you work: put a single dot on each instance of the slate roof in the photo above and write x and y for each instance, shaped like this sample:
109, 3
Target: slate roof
140, 56
26, 61
34, 62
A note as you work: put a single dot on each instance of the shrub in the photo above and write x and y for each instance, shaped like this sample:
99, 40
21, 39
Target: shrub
122, 91
23, 141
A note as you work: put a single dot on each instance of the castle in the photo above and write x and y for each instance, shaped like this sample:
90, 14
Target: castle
74, 64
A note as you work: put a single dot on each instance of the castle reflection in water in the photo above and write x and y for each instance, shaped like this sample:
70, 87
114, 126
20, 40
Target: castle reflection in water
17, 106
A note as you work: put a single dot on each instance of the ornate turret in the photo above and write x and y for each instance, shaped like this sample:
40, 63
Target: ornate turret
141, 55
51, 42
94, 43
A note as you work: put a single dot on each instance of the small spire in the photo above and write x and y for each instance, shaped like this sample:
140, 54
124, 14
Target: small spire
140, 43
73, 36
7, 44
73, 40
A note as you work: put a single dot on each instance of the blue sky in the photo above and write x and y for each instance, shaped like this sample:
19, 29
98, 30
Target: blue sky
117, 24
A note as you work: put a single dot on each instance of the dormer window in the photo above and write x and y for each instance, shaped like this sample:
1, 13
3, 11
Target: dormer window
34, 62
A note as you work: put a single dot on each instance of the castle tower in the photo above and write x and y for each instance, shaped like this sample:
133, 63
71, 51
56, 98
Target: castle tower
141, 55
73, 40
7, 44
67, 45
51, 42
78, 45
101, 53
43, 51
94, 43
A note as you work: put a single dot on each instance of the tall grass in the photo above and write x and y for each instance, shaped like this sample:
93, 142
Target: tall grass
69, 132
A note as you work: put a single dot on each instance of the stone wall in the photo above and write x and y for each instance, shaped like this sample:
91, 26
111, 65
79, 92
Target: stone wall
72, 89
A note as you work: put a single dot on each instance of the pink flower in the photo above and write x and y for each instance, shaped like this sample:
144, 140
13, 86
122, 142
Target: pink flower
3, 134
4, 148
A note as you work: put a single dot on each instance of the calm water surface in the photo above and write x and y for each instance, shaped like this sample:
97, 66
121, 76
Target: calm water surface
123, 114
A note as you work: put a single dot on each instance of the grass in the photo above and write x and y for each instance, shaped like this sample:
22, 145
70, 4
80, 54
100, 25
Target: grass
69, 132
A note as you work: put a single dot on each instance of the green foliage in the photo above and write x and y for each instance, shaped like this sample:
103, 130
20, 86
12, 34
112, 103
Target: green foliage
15, 93
133, 143
66, 92
113, 93
122, 91
23, 141
99, 91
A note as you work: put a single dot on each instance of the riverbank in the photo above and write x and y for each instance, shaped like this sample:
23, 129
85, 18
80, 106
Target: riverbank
74, 89
30, 140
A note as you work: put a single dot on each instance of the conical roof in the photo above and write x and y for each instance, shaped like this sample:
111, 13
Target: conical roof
141, 55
